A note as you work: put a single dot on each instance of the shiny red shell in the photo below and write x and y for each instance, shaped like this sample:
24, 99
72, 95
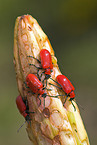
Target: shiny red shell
21, 106
34, 84
46, 61
66, 85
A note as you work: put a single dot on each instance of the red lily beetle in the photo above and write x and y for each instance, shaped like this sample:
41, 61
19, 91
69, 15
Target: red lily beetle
45, 61
66, 85
34, 84
22, 108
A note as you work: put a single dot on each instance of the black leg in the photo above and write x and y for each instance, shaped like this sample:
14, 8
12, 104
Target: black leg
49, 89
53, 96
38, 74
44, 96
41, 77
31, 112
26, 85
39, 100
72, 103
65, 100
73, 106
44, 102
25, 101
46, 82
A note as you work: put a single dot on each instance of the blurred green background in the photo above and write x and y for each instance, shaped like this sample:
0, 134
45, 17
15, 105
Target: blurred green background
71, 26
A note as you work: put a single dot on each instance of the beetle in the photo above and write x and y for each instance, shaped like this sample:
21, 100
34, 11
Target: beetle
34, 84
67, 87
46, 63
22, 108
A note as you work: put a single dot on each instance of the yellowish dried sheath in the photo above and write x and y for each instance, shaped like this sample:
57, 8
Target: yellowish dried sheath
55, 124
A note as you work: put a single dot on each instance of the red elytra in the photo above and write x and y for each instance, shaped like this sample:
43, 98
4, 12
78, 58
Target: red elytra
66, 85
46, 61
22, 107
34, 84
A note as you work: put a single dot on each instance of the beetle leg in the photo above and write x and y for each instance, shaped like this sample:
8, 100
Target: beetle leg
53, 96
44, 102
73, 106
26, 102
43, 79
47, 77
44, 96
31, 112
65, 100
49, 89
72, 103
38, 74
46, 82
26, 85
39, 99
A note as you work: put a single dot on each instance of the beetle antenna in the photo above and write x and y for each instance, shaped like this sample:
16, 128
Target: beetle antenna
21, 127
80, 106
35, 66
57, 96
34, 58
65, 100
55, 81
55, 86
